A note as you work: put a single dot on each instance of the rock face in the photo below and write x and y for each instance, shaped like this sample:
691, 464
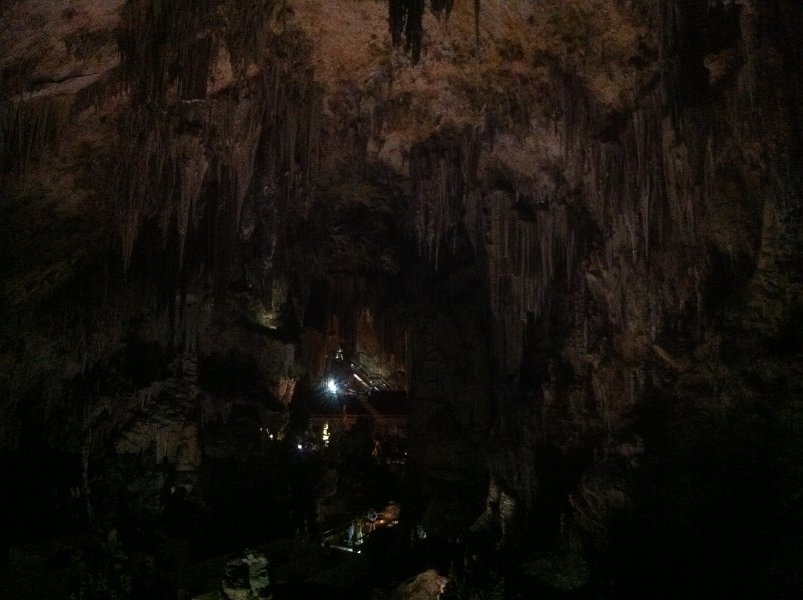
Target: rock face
572, 229
247, 578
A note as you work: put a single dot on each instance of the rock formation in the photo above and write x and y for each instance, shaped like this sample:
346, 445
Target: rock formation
570, 229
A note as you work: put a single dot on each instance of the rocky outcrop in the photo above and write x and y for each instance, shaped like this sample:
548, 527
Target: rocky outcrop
247, 578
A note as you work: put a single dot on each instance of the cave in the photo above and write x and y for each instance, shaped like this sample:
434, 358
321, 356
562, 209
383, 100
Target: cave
362, 299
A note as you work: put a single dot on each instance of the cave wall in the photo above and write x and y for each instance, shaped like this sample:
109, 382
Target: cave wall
602, 198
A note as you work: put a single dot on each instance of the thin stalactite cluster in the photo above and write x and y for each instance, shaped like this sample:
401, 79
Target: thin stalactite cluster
183, 148
405, 19
216, 124
442, 172
161, 50
650, 181
441, 8
29, 128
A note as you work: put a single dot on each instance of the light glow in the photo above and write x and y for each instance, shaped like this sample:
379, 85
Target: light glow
331, 386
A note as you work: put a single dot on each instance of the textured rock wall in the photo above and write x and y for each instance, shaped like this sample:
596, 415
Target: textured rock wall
631, 186
575, 225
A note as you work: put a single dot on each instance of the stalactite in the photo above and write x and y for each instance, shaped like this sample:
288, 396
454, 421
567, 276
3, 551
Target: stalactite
441, 8
247, 30
405, 22
192, 165
28, 127
167, 52
158, 42
442, 171
525, 258
477, 23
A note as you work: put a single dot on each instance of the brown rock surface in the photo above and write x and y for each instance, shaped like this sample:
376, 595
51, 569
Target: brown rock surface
576, 238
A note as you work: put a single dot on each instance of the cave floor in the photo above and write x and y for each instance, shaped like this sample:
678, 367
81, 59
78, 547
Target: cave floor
50, 569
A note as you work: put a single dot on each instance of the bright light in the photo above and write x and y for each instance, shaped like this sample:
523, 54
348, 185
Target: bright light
331, 386
299, 446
